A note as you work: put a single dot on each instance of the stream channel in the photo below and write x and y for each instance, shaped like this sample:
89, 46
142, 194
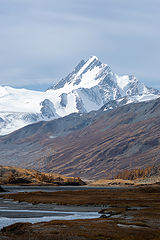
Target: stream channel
13, 211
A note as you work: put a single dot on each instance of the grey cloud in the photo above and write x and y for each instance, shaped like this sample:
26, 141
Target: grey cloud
43, 40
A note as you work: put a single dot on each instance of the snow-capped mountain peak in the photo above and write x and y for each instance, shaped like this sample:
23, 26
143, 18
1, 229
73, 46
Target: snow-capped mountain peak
87, 74
88, 87
84, 75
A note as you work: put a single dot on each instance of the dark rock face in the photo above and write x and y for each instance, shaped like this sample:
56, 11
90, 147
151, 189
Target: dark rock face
63, 101
80, 105
155, 171
1, 120
92, 94
69, 76
48, 109
17, 228
19, 181
2, 190
31, 117
103, 216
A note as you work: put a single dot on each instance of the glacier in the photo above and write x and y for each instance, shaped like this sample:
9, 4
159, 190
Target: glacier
88, 87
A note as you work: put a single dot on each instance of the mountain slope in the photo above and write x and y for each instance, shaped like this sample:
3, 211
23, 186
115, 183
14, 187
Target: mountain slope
92, 145
87, 88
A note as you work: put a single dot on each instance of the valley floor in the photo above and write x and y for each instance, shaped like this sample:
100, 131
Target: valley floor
126, 214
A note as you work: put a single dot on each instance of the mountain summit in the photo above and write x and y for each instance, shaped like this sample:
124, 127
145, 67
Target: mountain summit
88, 87
92, 84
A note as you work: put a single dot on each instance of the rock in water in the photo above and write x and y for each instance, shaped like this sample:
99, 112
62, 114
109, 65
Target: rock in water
2, 190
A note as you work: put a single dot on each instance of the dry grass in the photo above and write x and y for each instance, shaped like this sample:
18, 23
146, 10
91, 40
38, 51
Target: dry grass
135, 216
125, 197
79, 229
109, 182
13, 175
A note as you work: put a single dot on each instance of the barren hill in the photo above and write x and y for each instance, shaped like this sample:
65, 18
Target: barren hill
13, 175
92, 146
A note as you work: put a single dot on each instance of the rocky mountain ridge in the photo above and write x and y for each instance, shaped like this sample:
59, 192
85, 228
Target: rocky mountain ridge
88, 87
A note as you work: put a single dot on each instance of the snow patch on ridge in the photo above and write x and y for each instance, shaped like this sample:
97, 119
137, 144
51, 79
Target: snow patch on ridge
122, 81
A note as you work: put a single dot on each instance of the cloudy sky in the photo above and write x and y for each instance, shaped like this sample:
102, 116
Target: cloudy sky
41, 41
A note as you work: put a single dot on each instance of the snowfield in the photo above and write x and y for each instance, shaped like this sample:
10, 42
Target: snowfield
87, 88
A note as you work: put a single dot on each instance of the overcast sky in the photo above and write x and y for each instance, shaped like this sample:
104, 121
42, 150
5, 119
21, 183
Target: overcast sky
41, 41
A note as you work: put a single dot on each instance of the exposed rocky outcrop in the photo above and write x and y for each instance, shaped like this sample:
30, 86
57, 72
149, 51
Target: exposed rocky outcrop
48, 109
1, 189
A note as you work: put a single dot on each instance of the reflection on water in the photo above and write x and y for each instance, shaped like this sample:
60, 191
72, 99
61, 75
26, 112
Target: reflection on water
12, 189
57, 215
13, 211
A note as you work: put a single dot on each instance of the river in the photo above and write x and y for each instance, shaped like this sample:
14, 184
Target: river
13, 211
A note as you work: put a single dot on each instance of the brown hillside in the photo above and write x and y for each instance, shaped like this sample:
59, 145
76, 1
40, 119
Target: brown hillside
134, 173
125, 138
13, 175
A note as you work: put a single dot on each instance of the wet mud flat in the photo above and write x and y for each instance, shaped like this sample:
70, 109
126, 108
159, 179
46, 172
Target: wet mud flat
126, 214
